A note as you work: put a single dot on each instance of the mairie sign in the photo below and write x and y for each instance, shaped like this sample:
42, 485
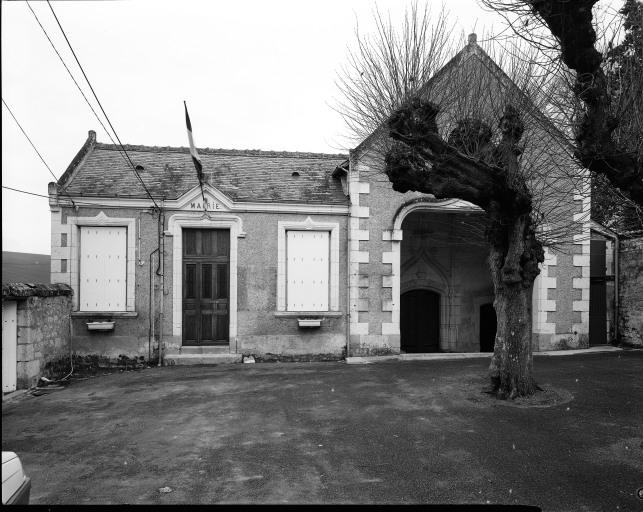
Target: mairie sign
210, 204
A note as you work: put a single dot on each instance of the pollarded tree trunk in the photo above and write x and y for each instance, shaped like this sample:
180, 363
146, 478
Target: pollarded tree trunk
511, 365
514, 255
490, 178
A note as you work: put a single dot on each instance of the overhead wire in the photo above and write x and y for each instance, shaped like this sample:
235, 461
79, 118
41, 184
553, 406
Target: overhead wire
75, 82
37, 152
25, 192
101, 106
77, 202
79, 89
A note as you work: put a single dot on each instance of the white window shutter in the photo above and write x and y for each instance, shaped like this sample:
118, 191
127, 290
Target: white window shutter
308, 270
103, 268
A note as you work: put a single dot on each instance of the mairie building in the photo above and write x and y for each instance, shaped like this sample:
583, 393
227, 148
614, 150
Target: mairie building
291, 255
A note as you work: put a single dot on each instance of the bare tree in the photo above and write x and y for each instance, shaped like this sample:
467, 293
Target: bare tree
568, 30
434, 129
390, 66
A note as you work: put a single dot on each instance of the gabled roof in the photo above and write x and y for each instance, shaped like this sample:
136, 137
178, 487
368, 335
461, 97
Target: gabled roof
473, 50
101, 170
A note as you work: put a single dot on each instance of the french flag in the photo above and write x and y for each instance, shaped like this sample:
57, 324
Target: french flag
195, 155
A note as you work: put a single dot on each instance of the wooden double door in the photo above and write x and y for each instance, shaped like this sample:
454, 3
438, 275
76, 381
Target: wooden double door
206, 286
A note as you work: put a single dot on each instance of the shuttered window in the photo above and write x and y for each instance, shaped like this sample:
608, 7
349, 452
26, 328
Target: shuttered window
307, 271
103, 268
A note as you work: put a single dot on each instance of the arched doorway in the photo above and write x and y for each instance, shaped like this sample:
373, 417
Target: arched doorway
420, 321
488, 325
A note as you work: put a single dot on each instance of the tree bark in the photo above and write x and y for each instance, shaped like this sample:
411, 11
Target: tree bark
511, 366
571, 23
421, 160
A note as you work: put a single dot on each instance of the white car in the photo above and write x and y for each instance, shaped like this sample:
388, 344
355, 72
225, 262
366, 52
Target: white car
16, 486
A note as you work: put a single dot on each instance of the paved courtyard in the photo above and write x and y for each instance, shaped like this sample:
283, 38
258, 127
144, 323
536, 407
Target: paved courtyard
391, 432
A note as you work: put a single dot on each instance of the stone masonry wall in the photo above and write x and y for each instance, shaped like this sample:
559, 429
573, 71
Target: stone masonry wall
259, 329
630, 314
561, 297
42, 335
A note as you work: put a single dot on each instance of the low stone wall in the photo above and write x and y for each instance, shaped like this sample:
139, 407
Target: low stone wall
630, 296
42, 327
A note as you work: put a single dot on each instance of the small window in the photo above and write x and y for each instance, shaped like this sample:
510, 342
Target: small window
103, 268
307, 270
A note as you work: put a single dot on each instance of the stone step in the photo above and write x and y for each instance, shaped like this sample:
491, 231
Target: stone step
207, 349
193, 359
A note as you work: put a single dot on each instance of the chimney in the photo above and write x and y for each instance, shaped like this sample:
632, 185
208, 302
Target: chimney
473, 38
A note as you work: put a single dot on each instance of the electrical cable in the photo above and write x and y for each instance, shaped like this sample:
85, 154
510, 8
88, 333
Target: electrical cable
75, 82
25, 192
30, 142
37, 152
101, 106
79, 203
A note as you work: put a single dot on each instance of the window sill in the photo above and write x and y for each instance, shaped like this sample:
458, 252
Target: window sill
104, 314
308, 314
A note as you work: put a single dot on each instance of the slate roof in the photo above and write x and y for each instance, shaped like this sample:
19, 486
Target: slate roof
100, 170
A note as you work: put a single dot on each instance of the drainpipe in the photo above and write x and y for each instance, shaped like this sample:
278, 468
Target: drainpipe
162, 267
617, 274
348, 287
140, 256
348, 260
150, 332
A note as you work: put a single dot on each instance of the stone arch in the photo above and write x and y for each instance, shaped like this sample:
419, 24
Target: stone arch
429, 274
430, 203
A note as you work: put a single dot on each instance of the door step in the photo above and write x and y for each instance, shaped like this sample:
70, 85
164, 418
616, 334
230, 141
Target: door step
194, 359
205, 349
207, 354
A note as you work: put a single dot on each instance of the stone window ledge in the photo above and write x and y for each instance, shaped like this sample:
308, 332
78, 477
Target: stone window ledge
104, 314
308, 314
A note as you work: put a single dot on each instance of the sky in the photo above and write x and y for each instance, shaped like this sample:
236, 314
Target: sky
255, 75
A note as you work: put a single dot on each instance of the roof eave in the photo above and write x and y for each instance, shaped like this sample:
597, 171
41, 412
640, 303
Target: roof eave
89, 145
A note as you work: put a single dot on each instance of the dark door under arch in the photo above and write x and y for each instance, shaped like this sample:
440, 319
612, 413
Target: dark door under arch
420, 321
597, 294
488, 325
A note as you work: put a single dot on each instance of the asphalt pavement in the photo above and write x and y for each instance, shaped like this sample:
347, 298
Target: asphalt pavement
390, 432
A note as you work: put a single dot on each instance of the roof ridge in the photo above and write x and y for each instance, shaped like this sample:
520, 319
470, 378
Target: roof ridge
221, 151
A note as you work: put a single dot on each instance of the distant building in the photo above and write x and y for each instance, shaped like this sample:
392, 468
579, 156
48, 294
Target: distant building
23, 267
291, 254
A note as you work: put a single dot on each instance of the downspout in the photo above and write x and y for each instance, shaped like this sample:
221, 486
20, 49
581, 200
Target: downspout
348, 264
348, 287
162, 267
140, 256
617, 275
151, 310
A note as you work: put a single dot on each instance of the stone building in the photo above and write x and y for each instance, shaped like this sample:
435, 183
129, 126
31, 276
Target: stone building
294, 254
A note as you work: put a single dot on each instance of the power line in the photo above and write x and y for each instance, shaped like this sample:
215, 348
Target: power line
74, 80
36, 150
80, 203
127, 160
30, 142
101, 106
25, 192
